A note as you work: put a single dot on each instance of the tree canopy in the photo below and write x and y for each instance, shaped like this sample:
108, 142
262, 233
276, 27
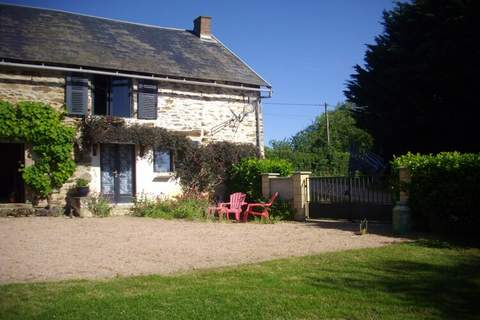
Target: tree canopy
309, 150
418, 89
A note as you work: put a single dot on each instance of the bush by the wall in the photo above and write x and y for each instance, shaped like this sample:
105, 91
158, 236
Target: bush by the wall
187, 206
205, 167
282, 210
246, 176
444, 189
99, 206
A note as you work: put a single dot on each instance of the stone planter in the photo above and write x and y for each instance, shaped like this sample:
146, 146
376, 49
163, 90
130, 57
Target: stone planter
83, 191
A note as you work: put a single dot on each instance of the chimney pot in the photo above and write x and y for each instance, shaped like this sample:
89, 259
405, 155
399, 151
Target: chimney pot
202, 27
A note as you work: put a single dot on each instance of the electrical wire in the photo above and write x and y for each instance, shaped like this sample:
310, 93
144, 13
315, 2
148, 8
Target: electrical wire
294, 104
289, 115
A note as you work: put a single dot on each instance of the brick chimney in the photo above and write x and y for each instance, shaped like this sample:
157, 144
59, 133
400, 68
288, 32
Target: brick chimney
202, 27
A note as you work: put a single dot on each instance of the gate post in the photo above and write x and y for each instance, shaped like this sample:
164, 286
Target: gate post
301, 193
401, 215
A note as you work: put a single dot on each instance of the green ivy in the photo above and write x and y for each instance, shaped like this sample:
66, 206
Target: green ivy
444, 192
96, 130
51, 142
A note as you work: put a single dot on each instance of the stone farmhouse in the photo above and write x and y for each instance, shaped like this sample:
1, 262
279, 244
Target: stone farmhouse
181, 80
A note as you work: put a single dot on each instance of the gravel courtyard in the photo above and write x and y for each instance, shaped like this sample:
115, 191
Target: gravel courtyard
40, 248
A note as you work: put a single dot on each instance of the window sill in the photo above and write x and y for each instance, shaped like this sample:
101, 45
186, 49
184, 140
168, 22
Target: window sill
162, 176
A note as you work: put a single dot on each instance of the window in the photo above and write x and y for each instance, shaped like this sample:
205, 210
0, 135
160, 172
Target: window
147, 99
112, 96
162, 161
76, 94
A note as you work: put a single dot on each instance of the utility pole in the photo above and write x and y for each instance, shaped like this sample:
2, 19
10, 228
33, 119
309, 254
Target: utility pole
328, 124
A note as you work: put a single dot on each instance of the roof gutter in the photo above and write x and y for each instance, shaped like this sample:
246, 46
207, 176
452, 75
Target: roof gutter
134, 76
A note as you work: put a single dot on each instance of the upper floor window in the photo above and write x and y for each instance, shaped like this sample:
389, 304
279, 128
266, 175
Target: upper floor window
112, 96
147, 99
76, 94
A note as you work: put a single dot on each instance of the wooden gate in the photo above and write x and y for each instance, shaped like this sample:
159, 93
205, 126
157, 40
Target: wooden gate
353, 198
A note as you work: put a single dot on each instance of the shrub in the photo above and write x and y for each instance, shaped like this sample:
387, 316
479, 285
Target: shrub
99, 206
444, 189
282, 210
189, 206
81, 183
204, 168
246, 176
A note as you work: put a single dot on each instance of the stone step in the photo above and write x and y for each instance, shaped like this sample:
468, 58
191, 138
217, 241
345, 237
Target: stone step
121, 209
16, 209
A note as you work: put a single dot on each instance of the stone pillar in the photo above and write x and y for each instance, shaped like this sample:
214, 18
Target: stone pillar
266, 183
300, 194
401, 215
405, 179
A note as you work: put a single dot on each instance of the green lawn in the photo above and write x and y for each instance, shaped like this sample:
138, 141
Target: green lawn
421, 280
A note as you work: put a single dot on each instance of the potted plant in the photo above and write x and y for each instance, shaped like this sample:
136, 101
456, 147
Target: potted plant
82, 187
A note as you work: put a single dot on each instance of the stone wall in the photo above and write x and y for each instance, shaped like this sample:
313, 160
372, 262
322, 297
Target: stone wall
205, 114
48, 87
294, 188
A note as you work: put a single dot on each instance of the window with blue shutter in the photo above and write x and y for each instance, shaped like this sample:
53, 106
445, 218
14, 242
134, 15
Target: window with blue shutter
76, 95
147, 99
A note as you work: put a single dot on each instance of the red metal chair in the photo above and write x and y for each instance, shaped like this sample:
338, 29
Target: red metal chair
237, 200
264, 206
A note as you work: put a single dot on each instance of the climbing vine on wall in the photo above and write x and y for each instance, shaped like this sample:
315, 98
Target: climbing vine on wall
200, 168
97, 130
51, 140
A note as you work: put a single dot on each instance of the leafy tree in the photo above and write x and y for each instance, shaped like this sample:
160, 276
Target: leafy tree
418, 88
309, 149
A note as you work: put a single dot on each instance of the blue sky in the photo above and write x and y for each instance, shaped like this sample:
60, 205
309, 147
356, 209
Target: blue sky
305, 49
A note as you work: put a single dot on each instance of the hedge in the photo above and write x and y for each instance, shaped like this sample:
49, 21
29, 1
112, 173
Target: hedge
246, 176
444, 190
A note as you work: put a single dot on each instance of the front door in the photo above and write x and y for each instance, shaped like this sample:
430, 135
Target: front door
117, 162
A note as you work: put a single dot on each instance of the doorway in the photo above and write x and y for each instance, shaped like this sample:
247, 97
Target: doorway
117, 163
12, 189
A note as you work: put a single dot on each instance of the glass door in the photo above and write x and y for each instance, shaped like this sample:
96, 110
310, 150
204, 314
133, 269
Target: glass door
117, 162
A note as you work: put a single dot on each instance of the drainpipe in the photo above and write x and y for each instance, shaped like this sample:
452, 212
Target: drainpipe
257, 124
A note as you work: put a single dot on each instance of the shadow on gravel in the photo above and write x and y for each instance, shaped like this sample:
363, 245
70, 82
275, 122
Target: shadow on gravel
373, 228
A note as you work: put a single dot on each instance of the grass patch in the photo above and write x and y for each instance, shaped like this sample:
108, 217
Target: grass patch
420, 280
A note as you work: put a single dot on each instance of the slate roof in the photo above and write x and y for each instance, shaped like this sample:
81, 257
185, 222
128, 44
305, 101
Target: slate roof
56, 37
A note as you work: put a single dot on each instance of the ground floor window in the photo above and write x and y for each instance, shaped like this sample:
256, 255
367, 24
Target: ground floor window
162, 160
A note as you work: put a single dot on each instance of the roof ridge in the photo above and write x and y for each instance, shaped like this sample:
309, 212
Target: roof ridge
93, 16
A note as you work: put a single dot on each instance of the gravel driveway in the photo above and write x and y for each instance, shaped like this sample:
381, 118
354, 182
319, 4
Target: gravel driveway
42, 248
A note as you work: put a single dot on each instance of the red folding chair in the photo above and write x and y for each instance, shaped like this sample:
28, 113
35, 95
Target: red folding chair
264, 213
237, 200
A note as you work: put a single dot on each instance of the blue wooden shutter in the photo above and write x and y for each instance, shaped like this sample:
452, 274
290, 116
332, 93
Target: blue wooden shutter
77, 95
147, 99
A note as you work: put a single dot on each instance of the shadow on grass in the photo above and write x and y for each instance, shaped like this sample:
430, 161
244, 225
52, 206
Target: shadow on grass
448, 287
